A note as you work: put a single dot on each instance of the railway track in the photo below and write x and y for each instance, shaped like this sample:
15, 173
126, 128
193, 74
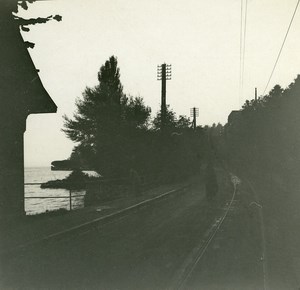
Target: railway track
188, 268
93, 223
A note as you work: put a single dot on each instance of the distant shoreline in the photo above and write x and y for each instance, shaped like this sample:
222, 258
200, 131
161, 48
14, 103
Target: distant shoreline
28, 167
49, 167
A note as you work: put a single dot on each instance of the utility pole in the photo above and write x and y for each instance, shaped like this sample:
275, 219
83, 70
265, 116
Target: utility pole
194, 114
163, 74
255, 95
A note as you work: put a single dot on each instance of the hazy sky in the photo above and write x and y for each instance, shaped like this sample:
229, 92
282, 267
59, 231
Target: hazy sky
201, 39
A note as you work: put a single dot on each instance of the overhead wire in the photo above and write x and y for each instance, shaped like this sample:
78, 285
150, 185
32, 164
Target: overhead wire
281, 48
241, 51
243, 29
244, 44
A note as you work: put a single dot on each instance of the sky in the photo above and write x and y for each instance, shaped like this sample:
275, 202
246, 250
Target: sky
200, 38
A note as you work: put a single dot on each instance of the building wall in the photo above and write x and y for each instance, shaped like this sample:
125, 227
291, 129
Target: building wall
12, 169
21, 93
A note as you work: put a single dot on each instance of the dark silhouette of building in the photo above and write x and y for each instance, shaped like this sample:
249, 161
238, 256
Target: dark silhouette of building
233, 117
21, 93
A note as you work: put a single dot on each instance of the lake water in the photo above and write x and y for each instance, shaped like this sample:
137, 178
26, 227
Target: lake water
39, 205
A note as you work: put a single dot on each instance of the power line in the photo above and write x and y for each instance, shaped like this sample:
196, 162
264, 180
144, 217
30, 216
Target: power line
282, 46
241, 50
244, 45
243, 29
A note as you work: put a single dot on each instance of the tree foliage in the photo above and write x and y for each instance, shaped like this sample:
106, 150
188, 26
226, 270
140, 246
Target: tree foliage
13, 6
106, 122
114, 134
172, 123
265, 137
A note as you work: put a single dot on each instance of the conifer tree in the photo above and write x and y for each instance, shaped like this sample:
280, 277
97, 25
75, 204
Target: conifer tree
104, 122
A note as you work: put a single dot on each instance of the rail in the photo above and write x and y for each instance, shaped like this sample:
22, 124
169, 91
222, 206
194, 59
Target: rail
189, 269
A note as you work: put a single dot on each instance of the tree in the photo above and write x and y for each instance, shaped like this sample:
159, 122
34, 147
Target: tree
8, 7
172, 122
265, 138
106, 122
99, 112
183, 122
